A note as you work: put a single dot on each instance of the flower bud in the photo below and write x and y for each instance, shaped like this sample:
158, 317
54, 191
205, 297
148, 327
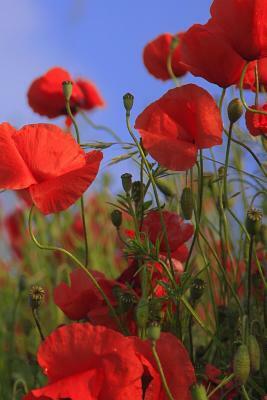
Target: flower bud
142, 313
153, 331
241, 364
36, 296
116, 218
187, 203
128, 100
253, 221
254, 353
137, 191
235, 110
198, 392
126, 180
67, 89
197, 289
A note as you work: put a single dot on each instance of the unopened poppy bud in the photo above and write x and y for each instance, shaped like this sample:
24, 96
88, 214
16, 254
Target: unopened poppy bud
253, 221
142, 313
137, 189
241, 364
254, 353
116, 218
197, 289
164, 188
128, 100
153, 331
67, 89
198, 392
187, 203
126, 180
263, 234
36, 296
235, 110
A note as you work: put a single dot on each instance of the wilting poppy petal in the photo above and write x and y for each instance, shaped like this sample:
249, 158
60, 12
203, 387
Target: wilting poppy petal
257, 123
57, 194
155, 56
180, 122
244, 23
14, 173
207, 54
91, 96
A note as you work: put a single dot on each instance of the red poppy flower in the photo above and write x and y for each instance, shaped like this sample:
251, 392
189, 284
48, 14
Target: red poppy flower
182, 121
47, 162
83, 362
45, 95
178, 231
257, 123
250, 81
207, 54
244, 23
155, 56
14, 224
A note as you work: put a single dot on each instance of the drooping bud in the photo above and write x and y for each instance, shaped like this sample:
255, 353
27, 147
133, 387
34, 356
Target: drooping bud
116, 218
36, 296
128, 100
197, 289
241, 364
254, 353
142, 313
253, 221
126, 180
187, 203
198, 392
235, 110
137, 189
153, 331
67, 89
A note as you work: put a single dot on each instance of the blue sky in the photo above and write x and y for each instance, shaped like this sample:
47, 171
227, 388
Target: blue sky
101, 40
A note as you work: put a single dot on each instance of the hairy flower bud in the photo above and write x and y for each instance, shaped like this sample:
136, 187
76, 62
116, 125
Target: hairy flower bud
187, 203
137, 189
128, 100
116, 218
153, 331
67, 89
235, 110
126, 180
164, 187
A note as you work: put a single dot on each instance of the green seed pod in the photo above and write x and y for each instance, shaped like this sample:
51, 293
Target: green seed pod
128, 100
67, 89
241, 364
164, 187
198, 392
153, 331
142, 313
253, 221
187, 203
126, 180
36, 296
116, 218
254, 353
137, 191
197, 289
235, 110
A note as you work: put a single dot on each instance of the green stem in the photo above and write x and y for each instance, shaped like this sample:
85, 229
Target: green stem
222, 99
245, 393
221, 384
225, 189
75, 259
249, 268
38, 325
161, 372
18, 382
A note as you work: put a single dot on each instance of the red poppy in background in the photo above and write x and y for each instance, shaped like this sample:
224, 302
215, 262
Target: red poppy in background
249, 79
107, 365
155, 56
244, 24
45, 95
207, 54
47, 162
15, 227
182, 121
178, 232
257, 123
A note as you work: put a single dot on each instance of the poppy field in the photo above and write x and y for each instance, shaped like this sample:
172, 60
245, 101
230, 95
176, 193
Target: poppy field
157, 289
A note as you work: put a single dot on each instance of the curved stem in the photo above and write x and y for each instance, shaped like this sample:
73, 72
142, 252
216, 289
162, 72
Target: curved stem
169, 68
263, 192
161, 372
75, 259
